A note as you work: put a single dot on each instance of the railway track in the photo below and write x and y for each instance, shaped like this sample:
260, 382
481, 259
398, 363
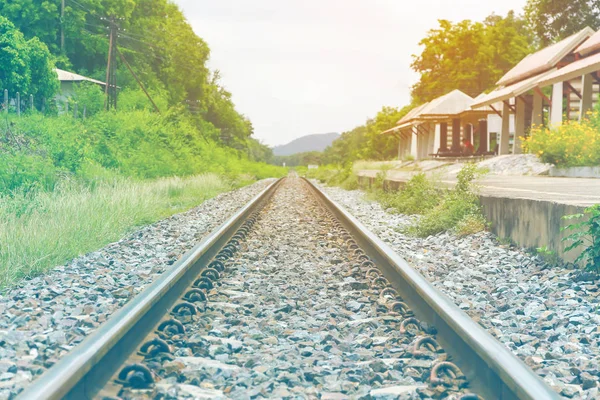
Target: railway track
290, 298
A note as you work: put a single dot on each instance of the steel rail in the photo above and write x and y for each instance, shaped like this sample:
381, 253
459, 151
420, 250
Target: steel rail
492, 370
83, 372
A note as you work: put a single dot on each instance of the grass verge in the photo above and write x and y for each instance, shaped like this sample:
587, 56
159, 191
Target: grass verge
41, 230
457, 210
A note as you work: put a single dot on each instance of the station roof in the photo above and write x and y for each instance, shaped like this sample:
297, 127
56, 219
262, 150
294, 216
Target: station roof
545, 59
66, 76
448, 105
589, 46
481, 110
453, 104
510, 91
573, 70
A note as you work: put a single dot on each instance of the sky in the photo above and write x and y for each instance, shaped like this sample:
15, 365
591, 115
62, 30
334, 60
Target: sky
299, 67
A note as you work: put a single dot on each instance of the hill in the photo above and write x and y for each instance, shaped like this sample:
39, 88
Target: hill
307, 143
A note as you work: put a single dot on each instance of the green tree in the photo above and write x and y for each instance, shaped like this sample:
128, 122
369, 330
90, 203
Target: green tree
27, 66
470, 56
366, 141
44, 82
14, 73
557, 19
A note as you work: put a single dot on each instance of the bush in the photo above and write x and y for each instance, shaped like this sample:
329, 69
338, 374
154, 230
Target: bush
570, 145
417, 196
458, 210
138, 144
88, 96
586, 234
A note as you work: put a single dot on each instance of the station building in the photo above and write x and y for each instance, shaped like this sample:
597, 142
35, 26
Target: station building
558, 83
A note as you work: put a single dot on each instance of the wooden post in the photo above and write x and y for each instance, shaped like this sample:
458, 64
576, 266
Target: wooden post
6, 101
18, 104
504, 144
519, 125
483, 136
444, 136
84, 111
75, 110
537, 113
468, 130
108, 68
31, 102
587, 91
456, 134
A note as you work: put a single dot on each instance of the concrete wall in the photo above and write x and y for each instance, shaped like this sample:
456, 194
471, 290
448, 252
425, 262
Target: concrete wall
527, 223
530, 223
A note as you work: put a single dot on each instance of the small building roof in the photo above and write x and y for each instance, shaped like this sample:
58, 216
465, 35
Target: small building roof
590, 45
394, 129
66, 76
573, 70
479, 111
448, 105
411, 114
545, 59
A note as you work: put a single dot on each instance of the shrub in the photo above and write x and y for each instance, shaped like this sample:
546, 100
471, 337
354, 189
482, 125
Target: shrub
138, 144
569, 145
458, 210
586, 234
417, 196
89, 96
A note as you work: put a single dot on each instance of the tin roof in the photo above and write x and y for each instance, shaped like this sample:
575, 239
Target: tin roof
573, 70
450, 104
508, 92
590, 45
545, 59
66, 76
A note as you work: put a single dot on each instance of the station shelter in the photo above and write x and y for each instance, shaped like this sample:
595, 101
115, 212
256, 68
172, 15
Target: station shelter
536, 93
439, 126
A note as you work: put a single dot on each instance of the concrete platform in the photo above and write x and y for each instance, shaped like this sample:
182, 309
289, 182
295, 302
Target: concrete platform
526, 209
582, 192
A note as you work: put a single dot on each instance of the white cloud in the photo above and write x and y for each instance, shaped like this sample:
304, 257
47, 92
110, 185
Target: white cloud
297, 67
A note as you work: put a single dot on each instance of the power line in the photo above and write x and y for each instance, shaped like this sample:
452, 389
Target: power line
82, 7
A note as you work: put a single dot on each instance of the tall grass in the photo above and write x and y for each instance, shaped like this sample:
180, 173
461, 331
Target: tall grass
41, 230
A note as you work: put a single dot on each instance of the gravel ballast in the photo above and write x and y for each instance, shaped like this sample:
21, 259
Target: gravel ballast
549, 317
295, 315
43, 318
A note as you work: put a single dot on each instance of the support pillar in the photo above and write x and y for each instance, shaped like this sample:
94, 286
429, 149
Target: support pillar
519, 125
444, 136
437, 138
413, 144
556, 110
505, 133
400, 147
423, 142
587, 91
431, 139
467, 132
483, 136
536, 114
456, 135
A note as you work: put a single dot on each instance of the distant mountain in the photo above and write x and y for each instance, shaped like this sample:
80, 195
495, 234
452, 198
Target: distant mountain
306, 143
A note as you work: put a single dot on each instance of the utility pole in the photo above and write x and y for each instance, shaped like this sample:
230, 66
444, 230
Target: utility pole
111, 68
62, 26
